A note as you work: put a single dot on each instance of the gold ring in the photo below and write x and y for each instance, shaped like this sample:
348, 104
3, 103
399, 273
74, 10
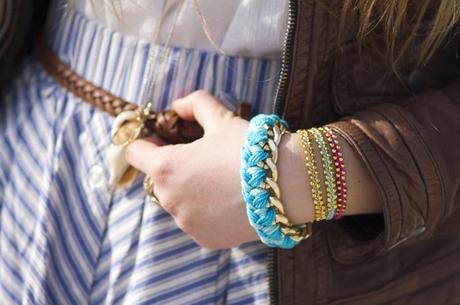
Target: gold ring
148, 187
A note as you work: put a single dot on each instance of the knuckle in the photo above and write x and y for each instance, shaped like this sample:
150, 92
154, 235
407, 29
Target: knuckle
161, 171
169, 206
226, 114
187, 224
211, 244
200, 93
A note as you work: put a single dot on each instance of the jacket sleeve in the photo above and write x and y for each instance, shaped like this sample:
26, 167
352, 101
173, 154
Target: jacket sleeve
412, 150
20, 20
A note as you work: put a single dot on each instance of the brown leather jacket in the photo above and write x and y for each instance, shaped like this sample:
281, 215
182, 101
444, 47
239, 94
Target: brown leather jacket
407, 133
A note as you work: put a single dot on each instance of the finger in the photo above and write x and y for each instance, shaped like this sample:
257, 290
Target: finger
202, 107
155, 140
147, 156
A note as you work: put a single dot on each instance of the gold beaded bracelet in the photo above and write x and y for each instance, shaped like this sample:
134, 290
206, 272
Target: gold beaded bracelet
315, 181
333, 168
329, 170
340, 172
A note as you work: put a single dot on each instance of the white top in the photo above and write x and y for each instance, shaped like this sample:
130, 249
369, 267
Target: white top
253, 28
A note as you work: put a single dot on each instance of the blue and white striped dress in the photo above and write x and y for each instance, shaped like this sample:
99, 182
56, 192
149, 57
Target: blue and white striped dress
65, 238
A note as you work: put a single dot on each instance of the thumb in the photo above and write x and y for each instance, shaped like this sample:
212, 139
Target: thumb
202, 107
146, 154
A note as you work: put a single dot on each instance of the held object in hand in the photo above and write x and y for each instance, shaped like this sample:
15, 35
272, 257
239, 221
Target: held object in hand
166, 124
132, 121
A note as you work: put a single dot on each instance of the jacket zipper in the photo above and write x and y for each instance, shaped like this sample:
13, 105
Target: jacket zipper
286, 59
279, 109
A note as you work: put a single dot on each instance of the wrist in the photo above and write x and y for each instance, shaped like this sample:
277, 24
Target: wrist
260, 188
293, 180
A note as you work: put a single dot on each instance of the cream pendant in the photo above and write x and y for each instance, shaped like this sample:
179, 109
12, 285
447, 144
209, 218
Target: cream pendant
125, 129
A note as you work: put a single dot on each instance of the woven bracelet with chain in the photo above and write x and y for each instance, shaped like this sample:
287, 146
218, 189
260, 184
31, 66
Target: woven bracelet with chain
259, 176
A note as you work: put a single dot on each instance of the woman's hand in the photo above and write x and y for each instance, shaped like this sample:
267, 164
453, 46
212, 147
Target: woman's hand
199, 183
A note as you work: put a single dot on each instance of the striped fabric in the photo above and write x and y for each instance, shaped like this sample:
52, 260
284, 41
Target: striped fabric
65, 238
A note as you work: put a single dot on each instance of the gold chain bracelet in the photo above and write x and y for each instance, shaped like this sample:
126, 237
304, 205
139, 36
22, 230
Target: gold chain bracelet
313, 175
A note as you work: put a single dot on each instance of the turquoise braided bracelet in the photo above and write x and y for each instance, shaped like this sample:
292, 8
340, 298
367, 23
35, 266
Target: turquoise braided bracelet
260, 190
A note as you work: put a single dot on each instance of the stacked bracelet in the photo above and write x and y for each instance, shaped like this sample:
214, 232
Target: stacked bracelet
260, 190
340, 174
333, 170
328, 171
313, 175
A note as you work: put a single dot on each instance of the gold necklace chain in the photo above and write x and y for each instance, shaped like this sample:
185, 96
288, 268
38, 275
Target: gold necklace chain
208, 34
205, 26
150, 83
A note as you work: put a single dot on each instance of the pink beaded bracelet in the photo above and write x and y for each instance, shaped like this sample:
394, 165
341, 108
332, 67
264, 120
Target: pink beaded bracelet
340, 174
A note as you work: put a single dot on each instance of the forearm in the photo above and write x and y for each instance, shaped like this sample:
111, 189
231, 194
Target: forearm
363, 195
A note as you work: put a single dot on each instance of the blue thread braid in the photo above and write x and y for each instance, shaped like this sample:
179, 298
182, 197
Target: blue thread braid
255, 152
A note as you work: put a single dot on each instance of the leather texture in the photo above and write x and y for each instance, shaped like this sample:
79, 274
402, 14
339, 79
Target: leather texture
406, 131
19, 22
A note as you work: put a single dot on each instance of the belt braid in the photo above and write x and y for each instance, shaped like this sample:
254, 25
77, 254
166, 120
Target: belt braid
166, 124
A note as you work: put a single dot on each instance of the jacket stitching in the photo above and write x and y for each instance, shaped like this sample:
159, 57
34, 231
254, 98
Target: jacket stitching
348, 134
407, 146
390, 203
430, 154
364, 296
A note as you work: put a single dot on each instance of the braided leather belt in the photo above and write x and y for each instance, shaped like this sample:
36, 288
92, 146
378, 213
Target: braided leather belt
166, 124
